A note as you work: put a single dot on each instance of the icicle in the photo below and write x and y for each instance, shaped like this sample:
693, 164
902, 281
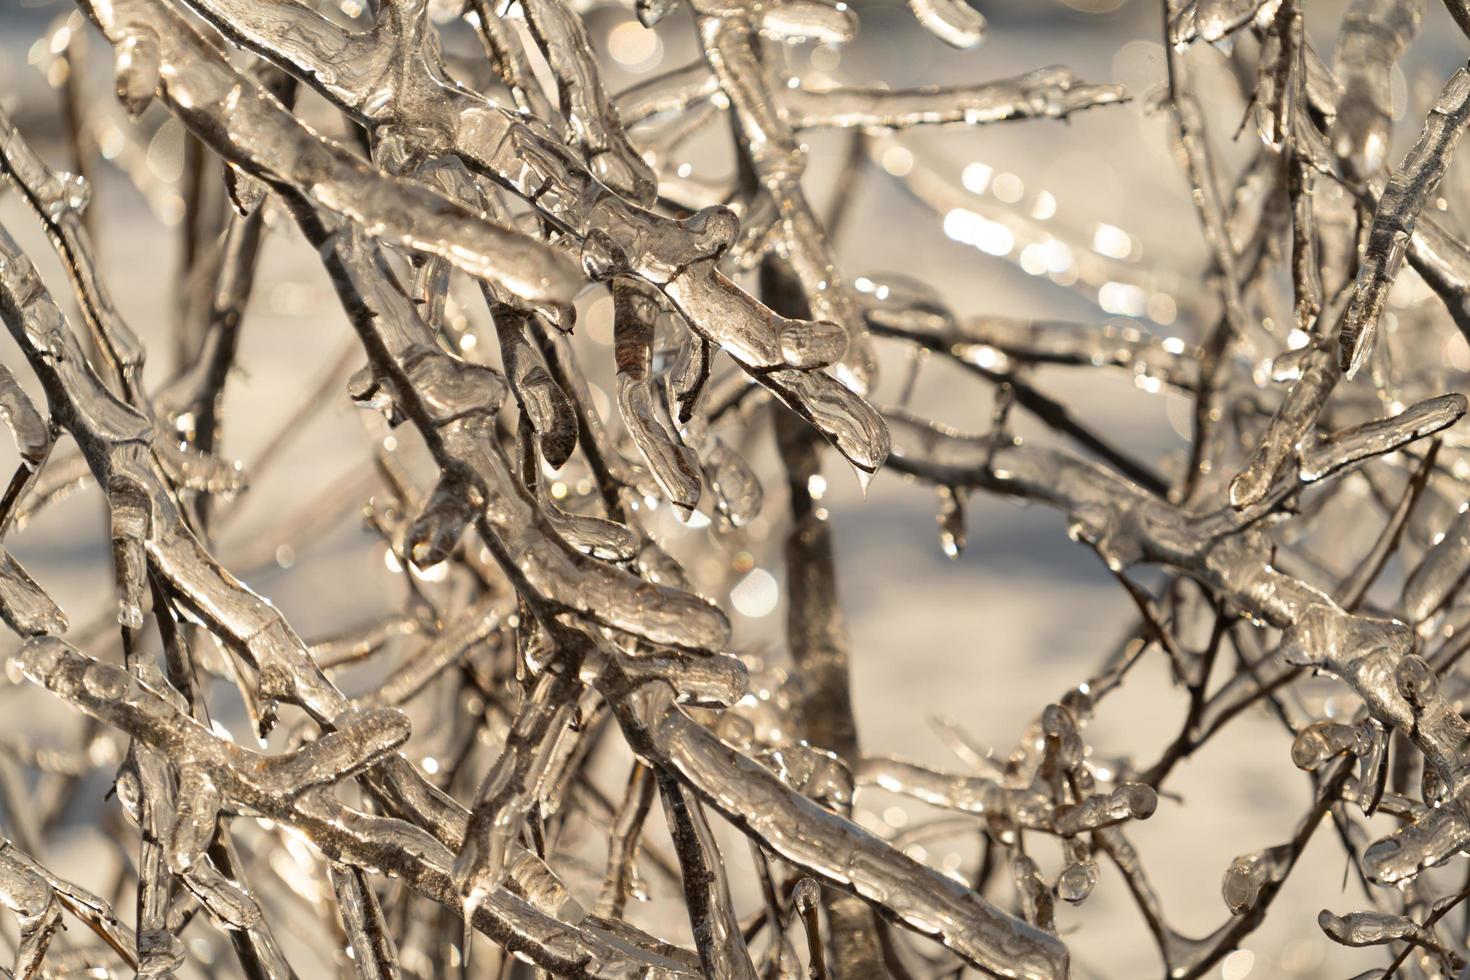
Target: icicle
951, 521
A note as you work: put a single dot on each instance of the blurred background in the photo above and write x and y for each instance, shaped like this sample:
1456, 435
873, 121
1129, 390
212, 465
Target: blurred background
988, 638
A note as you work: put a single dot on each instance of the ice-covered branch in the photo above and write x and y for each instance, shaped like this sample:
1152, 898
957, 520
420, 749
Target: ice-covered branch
1222, 550
1372, 37
160, 53
292, 789
1398, 210
830, 847
1047, 93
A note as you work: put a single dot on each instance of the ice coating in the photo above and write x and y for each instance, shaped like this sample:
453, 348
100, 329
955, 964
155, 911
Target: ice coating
1212, 20
1127, 526
1396, 215
1046, 93
1380, 928
531, 548
1291, 425
711, 913
730, 41
830, 847
252, 130
107, 692
548, 407
1373, 35
508, 791
954, 22
675, 467
543, 612
113, 438
1132, 349
31, 433
592, 121
24, 606
618, 237
1346, 447
60, 199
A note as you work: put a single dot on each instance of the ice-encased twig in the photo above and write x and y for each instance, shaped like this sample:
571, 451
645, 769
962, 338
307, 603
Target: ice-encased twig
342, 833
621, 879
370, 943
24, 605
1381, 928
95, 912
618, 238
31, 432
543, 401
816, 633
59, 200
1372, 37
472, 627
115, 441
670, 92
248, 127
1335, 451
593, 122
1026, 808
829, 847
732, 44
1294, 129
675, 467
1248, 897
1394, 219
1126, 526
974, 358
1134, 349
1046, 93
1439, 573
472, 656
1212, 20
711, 913
508, 792
954, 22
1288, 430
1441, 258
147, 526
437, 393
1199, 166
36, 910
